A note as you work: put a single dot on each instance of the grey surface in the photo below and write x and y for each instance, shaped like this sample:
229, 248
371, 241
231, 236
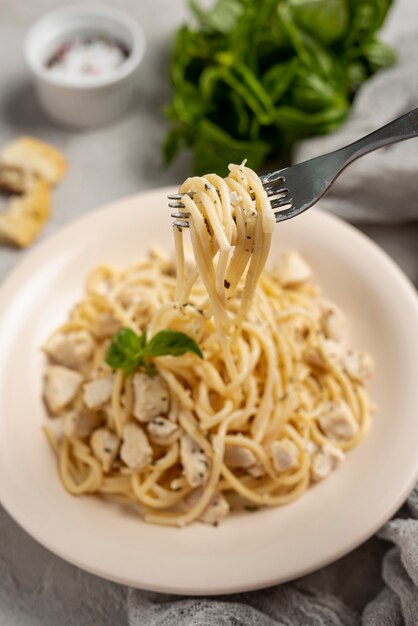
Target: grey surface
37, 588
373, 586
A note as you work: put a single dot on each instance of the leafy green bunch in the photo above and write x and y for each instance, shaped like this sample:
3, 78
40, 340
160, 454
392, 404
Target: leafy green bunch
253, 76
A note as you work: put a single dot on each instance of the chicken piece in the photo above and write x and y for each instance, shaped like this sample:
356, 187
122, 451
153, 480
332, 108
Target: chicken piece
162, 431
194, 460
168, 266
284, 454
256, 471
299, 330
292, 269
72, 349
105, 446
358, 365
217, 509
338, 422
332, 320
131, 296
324, 461
235, 198
151, 397
81, 423
135, 452
61, 387
105, 325
310, 448
302, 372
98, 392
332, 350
238, 456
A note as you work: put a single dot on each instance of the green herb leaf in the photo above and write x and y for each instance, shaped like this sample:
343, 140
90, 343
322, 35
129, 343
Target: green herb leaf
129, 351
124, 350
222, 17
327, 20
214, 148
143, 340
171, 342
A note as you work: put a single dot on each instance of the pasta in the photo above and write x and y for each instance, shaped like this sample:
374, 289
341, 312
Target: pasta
274, 405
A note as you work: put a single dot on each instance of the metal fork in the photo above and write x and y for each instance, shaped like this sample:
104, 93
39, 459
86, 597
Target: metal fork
294, 189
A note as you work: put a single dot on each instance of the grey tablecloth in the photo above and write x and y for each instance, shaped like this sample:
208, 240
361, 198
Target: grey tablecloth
376, 584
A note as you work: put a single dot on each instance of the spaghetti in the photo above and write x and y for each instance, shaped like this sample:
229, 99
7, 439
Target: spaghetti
274, 405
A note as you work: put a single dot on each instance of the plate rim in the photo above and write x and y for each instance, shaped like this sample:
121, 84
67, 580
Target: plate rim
10, 505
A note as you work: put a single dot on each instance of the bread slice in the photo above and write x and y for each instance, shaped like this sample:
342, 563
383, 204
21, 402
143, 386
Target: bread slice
24, 160
26, 214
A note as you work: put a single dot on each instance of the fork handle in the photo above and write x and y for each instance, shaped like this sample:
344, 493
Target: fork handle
404, 127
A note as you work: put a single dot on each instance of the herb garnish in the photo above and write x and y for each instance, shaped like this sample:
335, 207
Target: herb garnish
251, 78
129, 351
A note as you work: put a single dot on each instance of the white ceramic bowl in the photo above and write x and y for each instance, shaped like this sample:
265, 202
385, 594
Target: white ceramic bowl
75, 102
247, 550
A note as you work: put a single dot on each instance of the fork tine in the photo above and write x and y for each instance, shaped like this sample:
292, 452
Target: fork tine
176, 205
178, 196
277, 203
286, 214
175, 196
181, 215
274, 177
273, 184
181, 224
272, 191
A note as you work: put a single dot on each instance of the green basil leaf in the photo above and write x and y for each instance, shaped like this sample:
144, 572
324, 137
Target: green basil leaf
172, 144
143, 340
279, 77
214, 149
312, 93
222, 17
171, 342
300, 123
326, 20
124, 350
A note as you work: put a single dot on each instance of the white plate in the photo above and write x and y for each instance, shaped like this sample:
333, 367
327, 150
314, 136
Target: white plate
252, 549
